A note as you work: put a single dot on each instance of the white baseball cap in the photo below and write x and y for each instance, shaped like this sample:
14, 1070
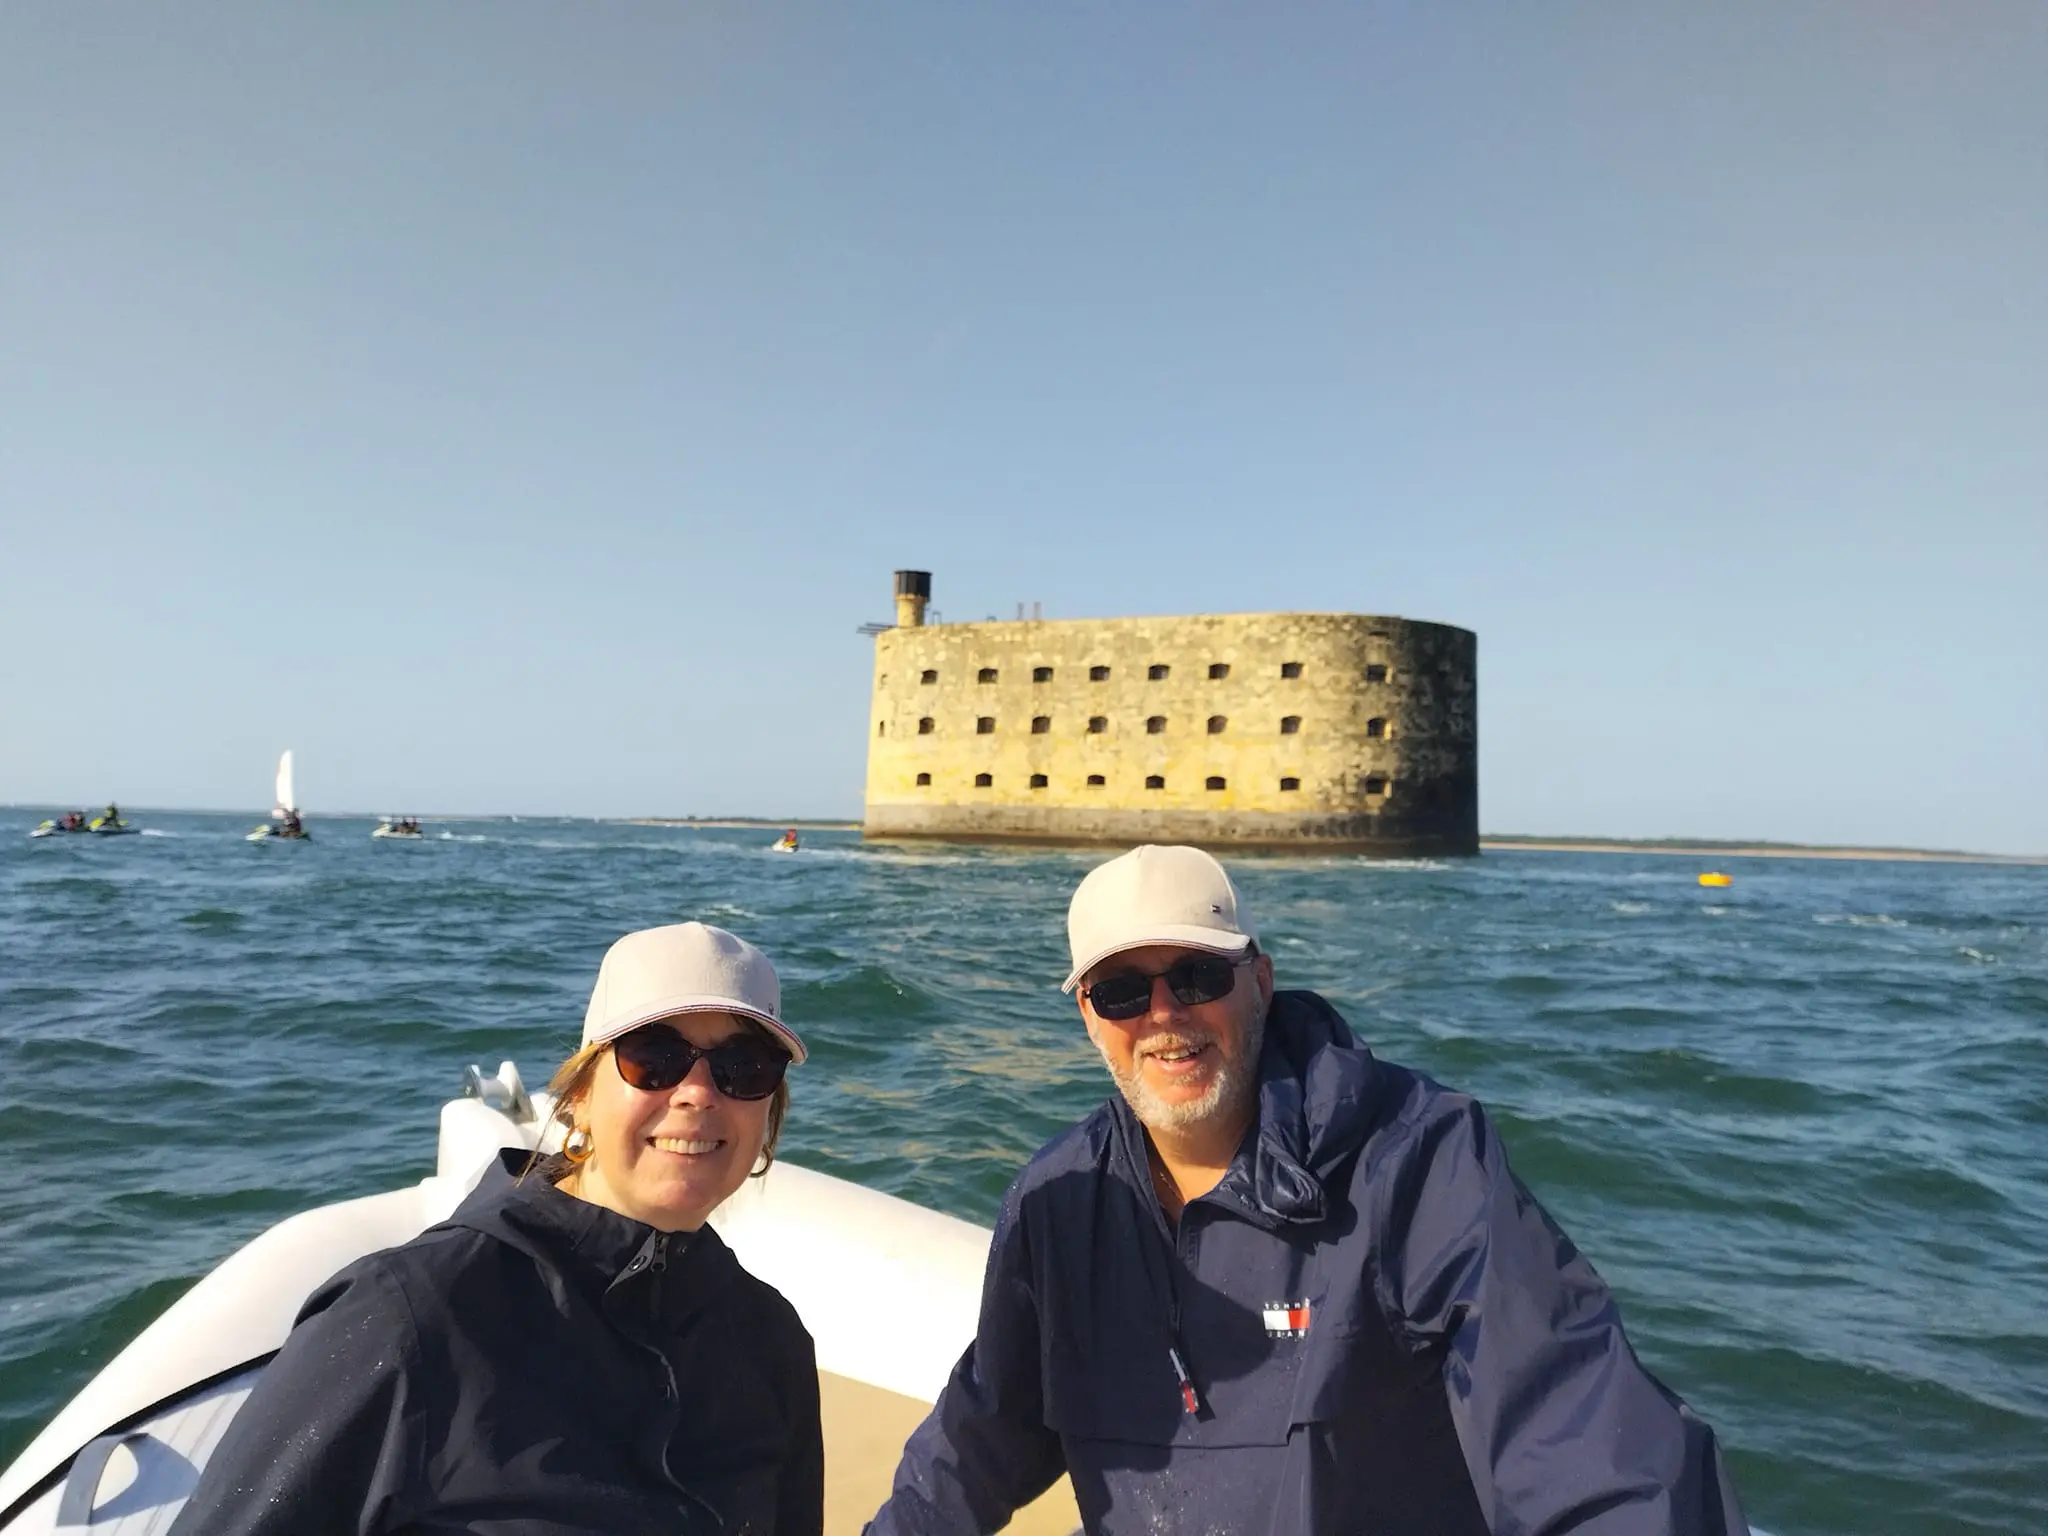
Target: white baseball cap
1153, 895
657, 973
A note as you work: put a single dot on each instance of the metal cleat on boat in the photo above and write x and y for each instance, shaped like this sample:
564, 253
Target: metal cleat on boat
503, 1090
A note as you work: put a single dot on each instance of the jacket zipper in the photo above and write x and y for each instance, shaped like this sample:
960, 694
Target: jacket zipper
657, 1261
1190, 1399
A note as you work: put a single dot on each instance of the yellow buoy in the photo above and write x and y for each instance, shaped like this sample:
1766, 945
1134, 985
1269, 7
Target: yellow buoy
1715, 877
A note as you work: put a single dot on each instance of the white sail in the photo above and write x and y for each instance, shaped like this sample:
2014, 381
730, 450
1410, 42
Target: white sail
285, 799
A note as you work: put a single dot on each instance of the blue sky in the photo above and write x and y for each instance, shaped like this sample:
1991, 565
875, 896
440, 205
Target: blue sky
516, 407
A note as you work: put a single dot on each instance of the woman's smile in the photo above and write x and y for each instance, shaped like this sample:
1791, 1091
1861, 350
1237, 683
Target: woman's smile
685, 1146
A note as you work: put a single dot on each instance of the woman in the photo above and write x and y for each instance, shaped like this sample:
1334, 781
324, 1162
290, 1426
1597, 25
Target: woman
573, 1351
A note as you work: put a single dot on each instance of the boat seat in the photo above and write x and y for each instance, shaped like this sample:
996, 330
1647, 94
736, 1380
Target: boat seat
865, 1428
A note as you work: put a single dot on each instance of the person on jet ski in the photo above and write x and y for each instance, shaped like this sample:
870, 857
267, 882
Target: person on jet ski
292, 825
113, 816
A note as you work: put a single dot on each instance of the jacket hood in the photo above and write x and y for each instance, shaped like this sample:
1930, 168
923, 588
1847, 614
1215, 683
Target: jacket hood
590, 1245
1320, 1092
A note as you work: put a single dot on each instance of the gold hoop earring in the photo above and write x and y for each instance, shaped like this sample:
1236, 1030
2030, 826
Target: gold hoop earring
579, 1144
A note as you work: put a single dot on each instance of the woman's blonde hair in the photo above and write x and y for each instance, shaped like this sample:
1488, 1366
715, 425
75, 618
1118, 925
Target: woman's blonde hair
570, 1086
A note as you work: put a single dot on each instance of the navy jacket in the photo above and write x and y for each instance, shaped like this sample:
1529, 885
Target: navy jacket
1369, 1327
534, 1366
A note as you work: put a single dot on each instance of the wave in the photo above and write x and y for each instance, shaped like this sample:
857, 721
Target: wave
1793, 1137
219, 919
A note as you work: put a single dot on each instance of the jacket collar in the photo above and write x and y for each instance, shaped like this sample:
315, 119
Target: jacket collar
594, 1247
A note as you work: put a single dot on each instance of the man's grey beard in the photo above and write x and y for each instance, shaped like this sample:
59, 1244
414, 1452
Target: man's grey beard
1234, 1085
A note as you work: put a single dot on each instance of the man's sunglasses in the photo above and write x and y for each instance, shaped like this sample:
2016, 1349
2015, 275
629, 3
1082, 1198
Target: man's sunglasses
1191, 979
655, 1058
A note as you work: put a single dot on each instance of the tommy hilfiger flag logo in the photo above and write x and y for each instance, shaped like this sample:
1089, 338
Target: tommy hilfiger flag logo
1286, 1319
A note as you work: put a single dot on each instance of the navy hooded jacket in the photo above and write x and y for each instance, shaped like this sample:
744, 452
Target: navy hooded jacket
536, 1365
1369, 1327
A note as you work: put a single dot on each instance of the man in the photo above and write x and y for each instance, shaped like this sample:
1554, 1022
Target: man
1277, 1285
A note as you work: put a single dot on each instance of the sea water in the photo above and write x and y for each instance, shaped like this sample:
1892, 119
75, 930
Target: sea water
1800, 1124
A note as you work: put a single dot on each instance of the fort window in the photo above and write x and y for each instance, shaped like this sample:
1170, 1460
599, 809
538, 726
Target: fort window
881, 727
1097, 724
924, 780
1217, 724
1040, 724
1290, 669
1288, 786
1218, 669
1375, 784
1155, 781
1155, 725
1376, 673
986, 675
924, 726
1038, 781
1290, 725
1098, 674
1376, 727
1041, 674
1157, 672
928, 675
1096, 781
1214, 781
985, 725
983, 780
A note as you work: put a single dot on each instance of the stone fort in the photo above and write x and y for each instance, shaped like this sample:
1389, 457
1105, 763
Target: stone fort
1274, 730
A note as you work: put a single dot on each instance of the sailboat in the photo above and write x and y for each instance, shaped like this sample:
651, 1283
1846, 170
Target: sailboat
284, 815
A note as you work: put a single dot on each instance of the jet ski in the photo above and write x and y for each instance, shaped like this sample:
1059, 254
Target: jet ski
101, 826
62, 826
396, 826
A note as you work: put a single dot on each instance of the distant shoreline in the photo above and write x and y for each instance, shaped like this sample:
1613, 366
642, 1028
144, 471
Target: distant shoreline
1709, 849
738, 821
1497, 842
1509, 842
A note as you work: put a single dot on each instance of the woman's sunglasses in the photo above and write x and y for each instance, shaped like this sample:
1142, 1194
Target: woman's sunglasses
1191, 979
655, 1058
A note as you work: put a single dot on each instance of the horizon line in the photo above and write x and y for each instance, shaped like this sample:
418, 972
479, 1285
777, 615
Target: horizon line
1530, 841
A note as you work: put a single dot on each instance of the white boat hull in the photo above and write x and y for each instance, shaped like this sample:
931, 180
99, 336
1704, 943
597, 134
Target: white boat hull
889, 1291
847, 1258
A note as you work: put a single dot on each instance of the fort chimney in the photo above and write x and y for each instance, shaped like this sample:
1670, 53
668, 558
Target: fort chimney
913, 591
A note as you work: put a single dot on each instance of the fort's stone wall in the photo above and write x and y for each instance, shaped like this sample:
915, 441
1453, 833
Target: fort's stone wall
1275, 730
